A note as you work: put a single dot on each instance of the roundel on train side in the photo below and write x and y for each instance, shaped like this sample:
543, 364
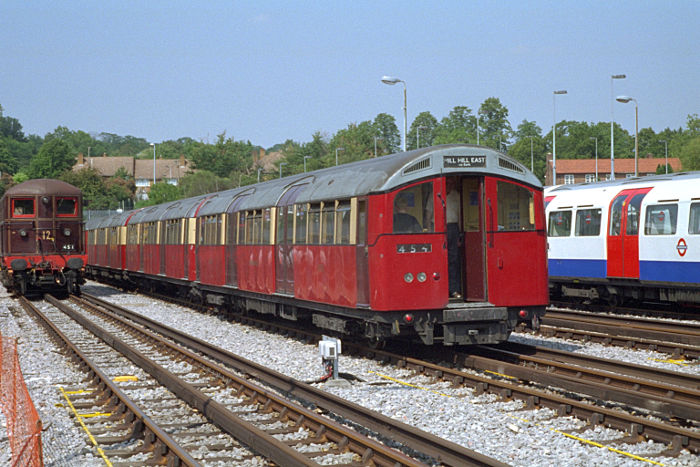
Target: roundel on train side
682, 247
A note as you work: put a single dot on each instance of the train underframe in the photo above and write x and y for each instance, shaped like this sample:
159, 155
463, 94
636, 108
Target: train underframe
29, 279
622, 292
456, 325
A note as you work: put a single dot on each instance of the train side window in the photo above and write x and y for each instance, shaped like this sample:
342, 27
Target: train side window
66, 206
588, 222
559, 224
413, 209
342, 223
516, 208
266, 223
23, 207
362, 222
694, 223
314, 235
616, 215
328, 222
172, 232
300, 216
661, 219
633, 209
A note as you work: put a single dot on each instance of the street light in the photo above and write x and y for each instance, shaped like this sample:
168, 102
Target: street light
596, 156
532, 157
625, 100
665, 146
375, 144
421, 127
336, 154
478, 120
391, 81
281, 164
554, 134
154, 162
259, 170
306, 157
612, 122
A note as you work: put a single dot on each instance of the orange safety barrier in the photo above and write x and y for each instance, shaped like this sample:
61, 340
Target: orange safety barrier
23, 423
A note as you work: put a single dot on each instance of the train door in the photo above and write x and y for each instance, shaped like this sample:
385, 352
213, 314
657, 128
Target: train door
623, 233
473, 239
284, 260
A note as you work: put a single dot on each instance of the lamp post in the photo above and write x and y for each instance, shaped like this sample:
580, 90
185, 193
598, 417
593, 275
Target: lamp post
154, 162
596, 157
554, 134
88, 152
281, 164
666, 150
375, 144
478, 121
336, 154
421, 127
532, 156
259, 170
624, 100
391, 81
612, 122
306, 157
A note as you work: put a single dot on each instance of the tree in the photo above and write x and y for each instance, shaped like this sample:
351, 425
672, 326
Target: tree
10, 128
54, 158
386, 129
201, 183
92, 185
426, 124
690, 154
161, 193
495, 128
458, 127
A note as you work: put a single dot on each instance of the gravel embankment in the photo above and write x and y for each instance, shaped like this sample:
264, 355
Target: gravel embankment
484, 423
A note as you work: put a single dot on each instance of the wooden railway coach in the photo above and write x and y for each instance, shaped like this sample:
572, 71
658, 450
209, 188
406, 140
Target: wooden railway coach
360, 249
41, 233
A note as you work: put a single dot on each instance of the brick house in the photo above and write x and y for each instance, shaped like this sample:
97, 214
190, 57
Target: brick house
583, 170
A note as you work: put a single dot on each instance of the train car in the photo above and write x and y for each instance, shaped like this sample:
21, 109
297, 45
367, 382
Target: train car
41, 233
359, 249
626, 241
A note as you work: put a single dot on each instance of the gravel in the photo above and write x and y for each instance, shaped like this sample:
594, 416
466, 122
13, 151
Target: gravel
497, 428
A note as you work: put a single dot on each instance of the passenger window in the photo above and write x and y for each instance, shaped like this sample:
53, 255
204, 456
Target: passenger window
616, 215
66, 207
23, 207
342, 223
413, 209
516, 208
661, 219
362, 222
588, 222
300, 216
328, 219
559, 224
315, 224
694, 223
266, 223
633, 214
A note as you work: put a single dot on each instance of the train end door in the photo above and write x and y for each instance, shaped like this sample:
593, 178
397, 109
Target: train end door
623, 233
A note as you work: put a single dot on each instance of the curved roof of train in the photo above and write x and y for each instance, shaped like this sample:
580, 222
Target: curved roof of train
43, 186
624, 183
345, 181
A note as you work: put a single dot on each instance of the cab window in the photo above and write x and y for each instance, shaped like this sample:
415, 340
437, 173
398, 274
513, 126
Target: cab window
413, 209
66, 206
23, 207
516, 207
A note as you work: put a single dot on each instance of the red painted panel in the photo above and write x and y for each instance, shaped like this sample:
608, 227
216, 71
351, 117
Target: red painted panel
191, 262
133, 257
325, 274
212, 264
256, 268
175, 261
624, 221
151, 259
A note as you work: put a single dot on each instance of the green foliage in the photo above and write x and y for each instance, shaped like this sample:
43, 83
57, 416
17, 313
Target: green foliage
201, 183
458, 127
426, 124
494, 125
690, 154
161, 193
386, 129
54, 158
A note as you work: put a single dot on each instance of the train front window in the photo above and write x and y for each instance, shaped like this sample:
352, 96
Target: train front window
413, 209
23, 207
66, 206
516, 207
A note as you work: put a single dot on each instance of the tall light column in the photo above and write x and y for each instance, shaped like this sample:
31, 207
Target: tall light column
666, 150
478, 120
154, 162
596, 156
375, 144
306, 157
281, 164
612, 124
624, 100
532, 156
392, 80
421, 127
554, 134
336, 154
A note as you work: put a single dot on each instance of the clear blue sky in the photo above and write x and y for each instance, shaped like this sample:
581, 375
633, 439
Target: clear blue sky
267, 71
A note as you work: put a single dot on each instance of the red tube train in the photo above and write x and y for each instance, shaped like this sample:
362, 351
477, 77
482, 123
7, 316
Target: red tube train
360, 249
41, 237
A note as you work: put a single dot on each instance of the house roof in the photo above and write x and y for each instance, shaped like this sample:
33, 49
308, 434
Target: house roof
107, 166
165, 168
587, 166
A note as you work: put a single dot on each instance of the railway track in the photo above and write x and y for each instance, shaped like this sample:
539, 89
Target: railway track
431, 446
206, 414
599, 409
679, 339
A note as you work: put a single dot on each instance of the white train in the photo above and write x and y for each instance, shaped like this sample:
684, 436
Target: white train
629, 240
